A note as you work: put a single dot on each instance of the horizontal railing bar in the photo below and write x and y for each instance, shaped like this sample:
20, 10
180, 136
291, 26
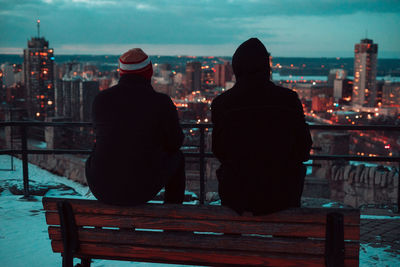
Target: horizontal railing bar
206, 154
210, 125
355, 127
47, 151
354, 158
45, 124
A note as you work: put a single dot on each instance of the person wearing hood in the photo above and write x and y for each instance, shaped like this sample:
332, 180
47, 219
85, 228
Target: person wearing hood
138, 137
260, 137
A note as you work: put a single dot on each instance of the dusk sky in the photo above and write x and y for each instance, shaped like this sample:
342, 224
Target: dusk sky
298, 28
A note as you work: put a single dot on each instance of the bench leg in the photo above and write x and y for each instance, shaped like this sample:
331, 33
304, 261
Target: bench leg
334, 242
69, 233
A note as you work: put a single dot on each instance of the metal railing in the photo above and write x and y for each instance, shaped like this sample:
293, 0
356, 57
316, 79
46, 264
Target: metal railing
202, 155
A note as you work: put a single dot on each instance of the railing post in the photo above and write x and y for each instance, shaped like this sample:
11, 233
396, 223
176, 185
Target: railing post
24, 142
398, 191
202, 182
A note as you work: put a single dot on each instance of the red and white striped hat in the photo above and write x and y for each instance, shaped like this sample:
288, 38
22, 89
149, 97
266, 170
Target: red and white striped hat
135, 61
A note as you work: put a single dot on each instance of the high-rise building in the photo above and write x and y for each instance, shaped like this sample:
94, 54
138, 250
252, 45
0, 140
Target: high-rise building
391, 94
74, 98
39, 77
223, 73
365, 61
193, 76
336, 74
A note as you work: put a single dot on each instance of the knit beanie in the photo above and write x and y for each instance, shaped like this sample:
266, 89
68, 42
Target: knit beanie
135, 61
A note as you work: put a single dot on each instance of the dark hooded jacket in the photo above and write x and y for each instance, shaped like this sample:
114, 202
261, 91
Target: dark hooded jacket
137, 130
260, 137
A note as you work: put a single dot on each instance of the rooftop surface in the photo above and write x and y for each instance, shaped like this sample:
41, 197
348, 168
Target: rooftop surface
24, 238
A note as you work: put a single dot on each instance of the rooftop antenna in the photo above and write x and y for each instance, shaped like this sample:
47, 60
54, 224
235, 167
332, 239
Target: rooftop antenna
38, 28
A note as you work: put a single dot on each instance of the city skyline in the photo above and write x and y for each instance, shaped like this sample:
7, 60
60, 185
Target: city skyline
203, 28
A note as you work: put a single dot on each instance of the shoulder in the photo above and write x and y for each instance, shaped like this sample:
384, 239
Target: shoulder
284, 90
164, 101
104, 96
222, 98
164, 98
285, 93
107, 92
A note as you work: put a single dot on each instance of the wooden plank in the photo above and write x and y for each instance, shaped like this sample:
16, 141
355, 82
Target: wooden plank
206, 241
304, 215
191, 256
234, 227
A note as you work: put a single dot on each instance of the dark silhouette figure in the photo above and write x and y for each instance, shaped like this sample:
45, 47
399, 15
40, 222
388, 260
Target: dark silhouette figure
138, 137
260, 137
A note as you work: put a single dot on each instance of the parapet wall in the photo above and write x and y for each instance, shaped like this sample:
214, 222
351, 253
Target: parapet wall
354, 184
72, 167
358, 185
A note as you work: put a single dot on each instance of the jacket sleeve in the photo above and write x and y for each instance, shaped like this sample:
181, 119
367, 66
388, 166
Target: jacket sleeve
303, 136
172, 137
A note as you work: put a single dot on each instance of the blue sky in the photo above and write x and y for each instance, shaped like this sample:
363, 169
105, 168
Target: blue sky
309, 28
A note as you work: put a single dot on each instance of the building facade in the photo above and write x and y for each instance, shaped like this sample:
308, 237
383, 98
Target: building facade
223, 74
74, 98
39, 78
365, 62
391, 94
193, 76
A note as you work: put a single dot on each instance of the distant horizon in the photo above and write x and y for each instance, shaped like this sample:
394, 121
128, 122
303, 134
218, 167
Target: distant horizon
155, 55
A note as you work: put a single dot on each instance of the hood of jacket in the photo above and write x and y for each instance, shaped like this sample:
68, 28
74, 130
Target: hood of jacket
251, 58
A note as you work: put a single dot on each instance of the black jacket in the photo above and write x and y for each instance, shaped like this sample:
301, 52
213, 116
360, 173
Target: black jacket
136, 129
259, 136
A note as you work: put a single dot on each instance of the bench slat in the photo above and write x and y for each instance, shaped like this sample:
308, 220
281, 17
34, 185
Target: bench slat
234, 227
206, 241
206, 212
191, 256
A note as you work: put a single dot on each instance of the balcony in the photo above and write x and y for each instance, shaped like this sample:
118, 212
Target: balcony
342, 178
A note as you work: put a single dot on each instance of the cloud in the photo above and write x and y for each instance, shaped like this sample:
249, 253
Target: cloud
152, 49
190, 22
145, 7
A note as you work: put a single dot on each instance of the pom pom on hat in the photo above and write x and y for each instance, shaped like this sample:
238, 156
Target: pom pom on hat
135, 61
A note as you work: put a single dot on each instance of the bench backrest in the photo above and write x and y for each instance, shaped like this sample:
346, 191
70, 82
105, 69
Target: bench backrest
205, 235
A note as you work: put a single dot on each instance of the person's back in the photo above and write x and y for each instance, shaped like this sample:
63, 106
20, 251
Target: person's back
259, 136
137, 140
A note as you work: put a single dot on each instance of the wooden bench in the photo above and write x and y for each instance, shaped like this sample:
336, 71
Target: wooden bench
202, 235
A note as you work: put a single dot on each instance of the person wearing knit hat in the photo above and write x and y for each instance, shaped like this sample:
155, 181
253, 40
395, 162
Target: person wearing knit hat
135, 61
138, 139
259, 136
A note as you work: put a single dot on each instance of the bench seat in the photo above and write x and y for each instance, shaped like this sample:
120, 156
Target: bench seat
202, 235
